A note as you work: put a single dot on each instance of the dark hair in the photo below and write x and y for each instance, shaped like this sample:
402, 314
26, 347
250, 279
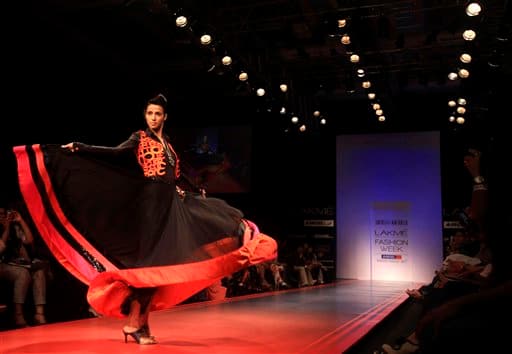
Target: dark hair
158, 100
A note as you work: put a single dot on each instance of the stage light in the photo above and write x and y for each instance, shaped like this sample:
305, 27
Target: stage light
464, 73
283, 87
206, 39
461, 101
452, 103
316, 113
382, 118
295, 119
345, 39
260, 92
469, 35
354, 58
465, 58
460, 120
371, 95
473, 9
226, 60
366, 84
181, 21
243, 76
453, 76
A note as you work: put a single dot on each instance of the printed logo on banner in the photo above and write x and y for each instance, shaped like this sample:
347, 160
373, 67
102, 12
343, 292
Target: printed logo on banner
390, 240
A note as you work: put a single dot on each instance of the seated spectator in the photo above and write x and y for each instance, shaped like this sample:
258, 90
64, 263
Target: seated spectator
277, 270
316, 268
300, 264
17, 266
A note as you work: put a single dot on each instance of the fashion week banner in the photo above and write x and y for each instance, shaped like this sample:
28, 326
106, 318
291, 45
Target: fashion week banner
390, 240
388, 206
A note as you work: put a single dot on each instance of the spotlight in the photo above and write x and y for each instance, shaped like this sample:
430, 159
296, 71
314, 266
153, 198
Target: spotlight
345, 39
226, 60
464, 73
243, 76
465, 58
453, 76
181, 21
206, 39
260, 92
469, 35
473, 9
354, 58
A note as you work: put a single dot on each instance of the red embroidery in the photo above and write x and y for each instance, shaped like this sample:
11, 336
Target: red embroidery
151, 157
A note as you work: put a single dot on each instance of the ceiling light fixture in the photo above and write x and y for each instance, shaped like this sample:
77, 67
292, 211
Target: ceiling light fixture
181, 21
473, 9
469, 35
206, 39
243, 76
226, 60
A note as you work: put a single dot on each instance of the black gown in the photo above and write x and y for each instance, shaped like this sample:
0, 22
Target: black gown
117, 224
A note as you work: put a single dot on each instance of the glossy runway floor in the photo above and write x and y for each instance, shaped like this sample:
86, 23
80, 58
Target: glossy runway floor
326, 319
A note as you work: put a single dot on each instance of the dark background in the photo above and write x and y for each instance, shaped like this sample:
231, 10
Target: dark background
82, 70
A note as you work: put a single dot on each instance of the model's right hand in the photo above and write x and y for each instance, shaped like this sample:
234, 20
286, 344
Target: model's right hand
70, 146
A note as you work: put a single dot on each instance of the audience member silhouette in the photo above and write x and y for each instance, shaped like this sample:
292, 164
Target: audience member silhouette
18, 266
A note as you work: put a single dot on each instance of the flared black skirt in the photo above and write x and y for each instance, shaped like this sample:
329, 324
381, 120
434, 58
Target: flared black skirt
114, 229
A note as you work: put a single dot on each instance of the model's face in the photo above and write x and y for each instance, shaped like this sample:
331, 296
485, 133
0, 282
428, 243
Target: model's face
155, 117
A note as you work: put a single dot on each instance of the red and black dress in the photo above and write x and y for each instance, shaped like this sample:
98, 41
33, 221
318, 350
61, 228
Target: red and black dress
118, 223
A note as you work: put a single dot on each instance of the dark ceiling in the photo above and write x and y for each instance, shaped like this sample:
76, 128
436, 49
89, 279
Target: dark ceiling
81, 70
91, 52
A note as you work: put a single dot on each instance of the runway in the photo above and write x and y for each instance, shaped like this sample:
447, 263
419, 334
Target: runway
325, 319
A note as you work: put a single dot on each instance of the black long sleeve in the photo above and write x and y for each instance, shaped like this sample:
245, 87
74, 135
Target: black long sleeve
128, 145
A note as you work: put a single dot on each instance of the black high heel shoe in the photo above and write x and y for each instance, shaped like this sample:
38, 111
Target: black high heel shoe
140, 336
